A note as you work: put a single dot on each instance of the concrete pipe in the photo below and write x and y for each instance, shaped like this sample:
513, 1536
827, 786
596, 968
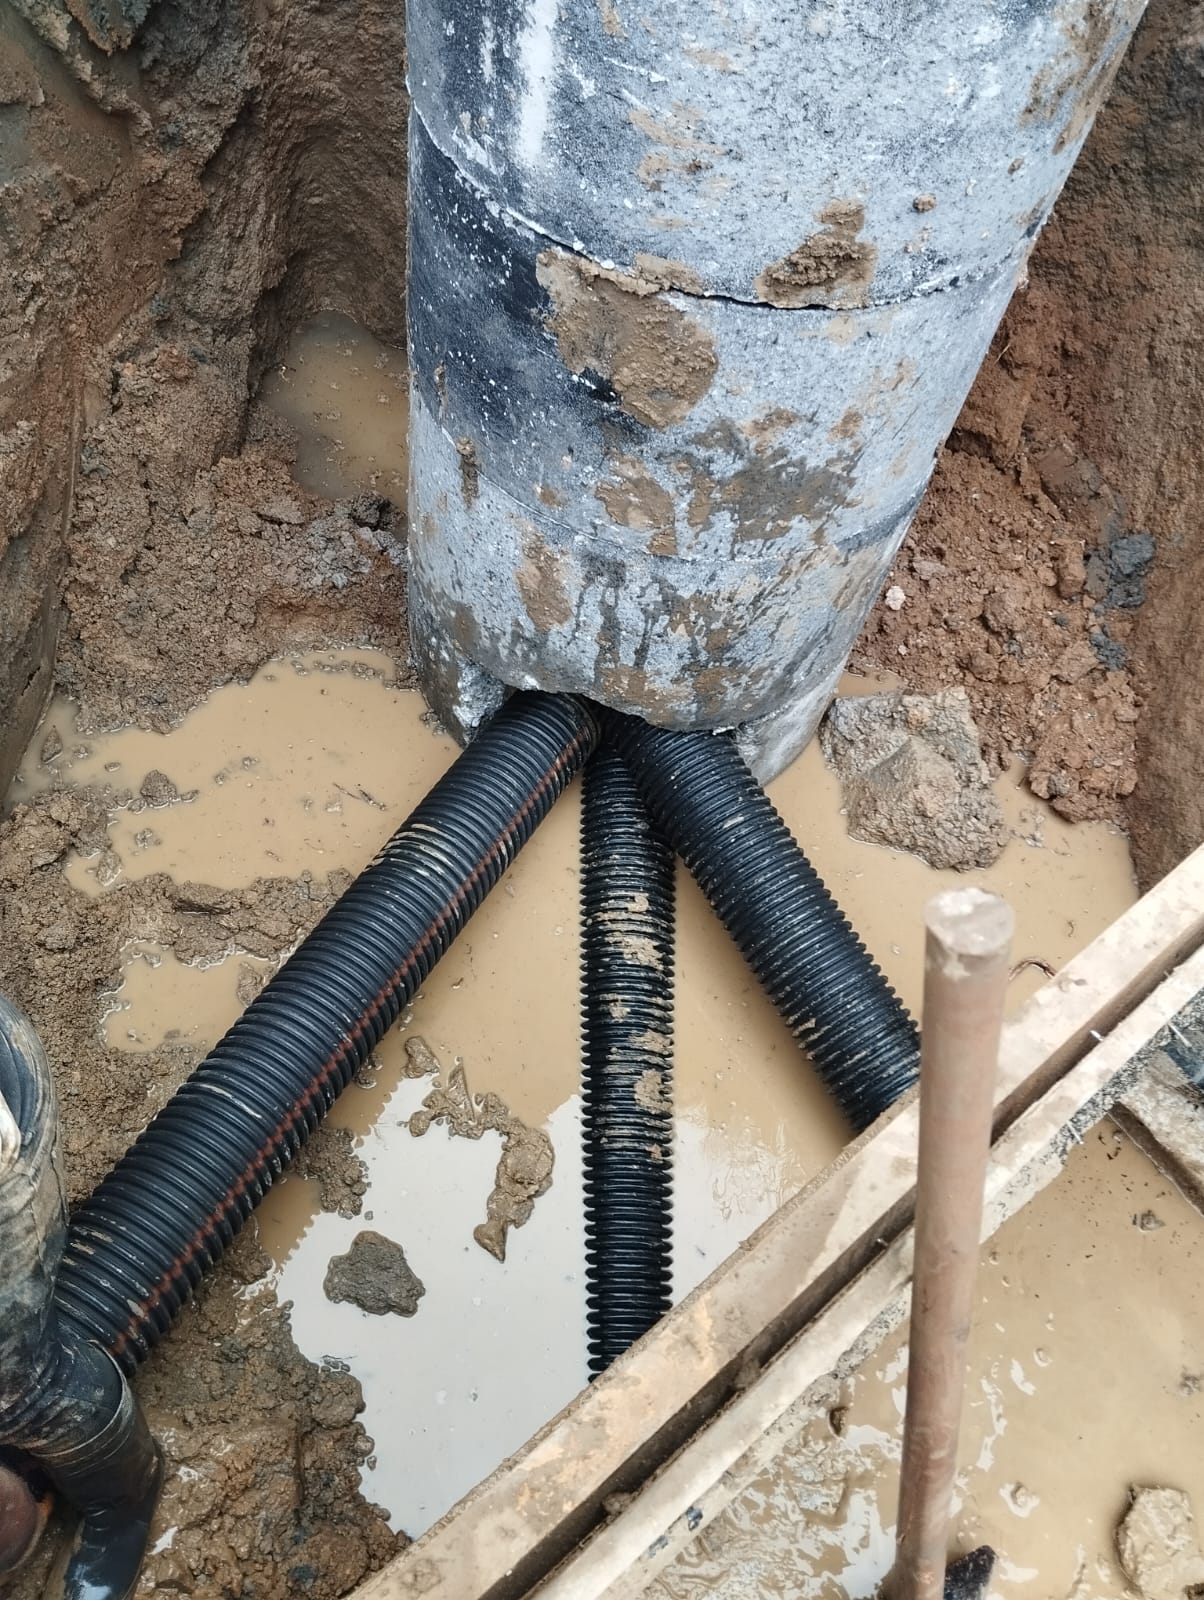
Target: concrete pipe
696, 293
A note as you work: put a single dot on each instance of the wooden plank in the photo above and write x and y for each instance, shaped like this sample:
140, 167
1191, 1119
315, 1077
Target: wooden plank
1164, 1116
514, 1528
724, 1457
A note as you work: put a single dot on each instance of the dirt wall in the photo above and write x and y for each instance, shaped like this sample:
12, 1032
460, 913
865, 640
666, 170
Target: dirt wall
1124, 262
1055, 565
169, 212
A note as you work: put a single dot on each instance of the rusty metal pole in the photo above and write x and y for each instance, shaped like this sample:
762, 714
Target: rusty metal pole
965, 985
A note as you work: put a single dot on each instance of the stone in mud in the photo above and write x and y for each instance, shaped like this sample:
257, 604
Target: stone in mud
1156, 1542
157, 789
1129, 561
374, 1275
912, 776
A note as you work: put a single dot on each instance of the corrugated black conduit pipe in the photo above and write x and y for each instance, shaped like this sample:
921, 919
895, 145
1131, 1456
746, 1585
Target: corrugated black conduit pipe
137, 1249
62, 1397
167, 1212
627, 874
715, 815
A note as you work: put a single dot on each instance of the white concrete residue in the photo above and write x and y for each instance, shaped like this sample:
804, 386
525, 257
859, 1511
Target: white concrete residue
1022, 1383
488, 39
471, 145
537, 57
994, 1399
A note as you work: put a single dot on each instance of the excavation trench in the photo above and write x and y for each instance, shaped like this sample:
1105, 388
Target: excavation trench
202, 526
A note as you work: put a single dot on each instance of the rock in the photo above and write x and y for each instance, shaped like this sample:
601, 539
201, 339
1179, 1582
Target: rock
926, 569
1156, 1542
1067, 478
282, 510
1129, 560
1005, 609
157, 789
374, 1275
1075, 662
52, 745
1096, 582
913, 778
371, 511
1077, 487
1070, 569
992, 419
1110, 652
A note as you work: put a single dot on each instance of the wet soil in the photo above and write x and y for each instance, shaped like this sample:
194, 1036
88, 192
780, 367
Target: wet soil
263, 1448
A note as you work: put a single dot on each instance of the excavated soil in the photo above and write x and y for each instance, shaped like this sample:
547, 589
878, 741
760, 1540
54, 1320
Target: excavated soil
172, 210
1055, 566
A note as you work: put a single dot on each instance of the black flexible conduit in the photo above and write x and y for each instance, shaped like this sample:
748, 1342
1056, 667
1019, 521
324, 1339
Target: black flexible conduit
63, 1400
138, 1247
627, 1061
713, 812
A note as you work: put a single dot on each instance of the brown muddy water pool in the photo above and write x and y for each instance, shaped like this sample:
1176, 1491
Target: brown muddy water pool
307, 769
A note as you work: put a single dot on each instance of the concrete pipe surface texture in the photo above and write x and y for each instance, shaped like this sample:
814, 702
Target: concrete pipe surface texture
695, 296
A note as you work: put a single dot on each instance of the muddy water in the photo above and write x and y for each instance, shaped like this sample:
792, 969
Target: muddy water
160, 1000
310, 767
346, 396
1086, 1375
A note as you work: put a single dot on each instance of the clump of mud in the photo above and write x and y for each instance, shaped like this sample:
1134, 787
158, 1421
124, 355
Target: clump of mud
375, 1276
524, 1168
912, 776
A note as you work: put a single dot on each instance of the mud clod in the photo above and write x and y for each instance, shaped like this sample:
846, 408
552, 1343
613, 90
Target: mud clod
375, 1276
912, 776
658, 358
830, 268
1158, 1545
524, 1169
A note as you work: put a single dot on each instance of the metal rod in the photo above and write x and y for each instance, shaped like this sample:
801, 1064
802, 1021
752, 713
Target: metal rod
966, 961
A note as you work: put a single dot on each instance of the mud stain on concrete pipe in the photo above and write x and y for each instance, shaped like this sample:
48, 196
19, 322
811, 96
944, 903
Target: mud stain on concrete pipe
540, 582
634, 499
1075, 84
830, 268
659, 361
678, 150
667, 273
760, 485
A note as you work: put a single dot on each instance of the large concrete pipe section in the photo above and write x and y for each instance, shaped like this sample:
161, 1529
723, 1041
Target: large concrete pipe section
696, 293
